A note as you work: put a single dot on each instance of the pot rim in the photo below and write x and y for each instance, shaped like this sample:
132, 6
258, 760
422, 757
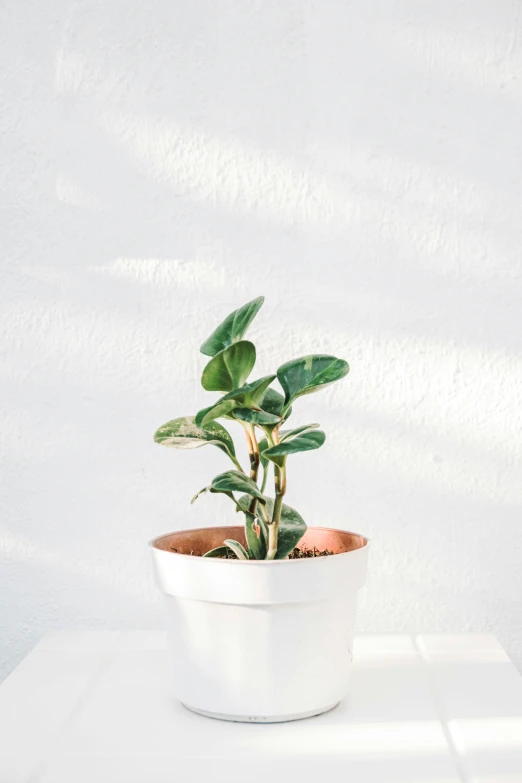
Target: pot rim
153, 541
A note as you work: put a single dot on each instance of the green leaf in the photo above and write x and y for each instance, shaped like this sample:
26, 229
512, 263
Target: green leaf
234, 481
229, 368
237, 548
309, 373
247, 396
219, 551
233, 328
221, 409
286, 434
251, 394
283, 435
306, 441
256, 547
184, 433
201, 492
257, 543
262, 445
255, 417
273, 402
292, 526
265, 463
261, 547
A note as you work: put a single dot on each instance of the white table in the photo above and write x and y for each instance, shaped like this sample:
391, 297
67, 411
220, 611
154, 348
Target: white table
94, 707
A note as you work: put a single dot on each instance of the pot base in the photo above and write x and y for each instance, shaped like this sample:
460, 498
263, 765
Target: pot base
262, 719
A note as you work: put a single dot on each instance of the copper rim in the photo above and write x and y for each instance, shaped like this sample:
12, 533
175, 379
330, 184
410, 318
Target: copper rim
197, 541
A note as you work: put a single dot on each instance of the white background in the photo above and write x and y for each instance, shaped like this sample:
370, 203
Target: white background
358, 163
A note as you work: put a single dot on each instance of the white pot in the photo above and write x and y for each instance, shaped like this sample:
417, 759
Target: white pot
259, 640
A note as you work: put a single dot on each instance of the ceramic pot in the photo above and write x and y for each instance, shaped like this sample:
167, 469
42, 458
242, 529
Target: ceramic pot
257, 640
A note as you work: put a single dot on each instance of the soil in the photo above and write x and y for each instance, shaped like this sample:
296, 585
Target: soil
298, 554
295, 554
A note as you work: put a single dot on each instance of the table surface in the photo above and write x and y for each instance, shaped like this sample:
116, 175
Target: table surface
96, 706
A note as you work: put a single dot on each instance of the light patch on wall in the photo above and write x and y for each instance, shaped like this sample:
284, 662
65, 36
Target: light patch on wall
436, 231
460, 472
73, 337
228, 172
22, 550
194, 275
428, 214
78, 75
425, 381
484, 63
69, 192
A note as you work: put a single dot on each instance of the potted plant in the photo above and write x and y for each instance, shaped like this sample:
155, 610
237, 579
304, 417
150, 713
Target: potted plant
260, 615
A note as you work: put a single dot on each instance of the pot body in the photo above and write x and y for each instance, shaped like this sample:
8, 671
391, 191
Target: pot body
260, 641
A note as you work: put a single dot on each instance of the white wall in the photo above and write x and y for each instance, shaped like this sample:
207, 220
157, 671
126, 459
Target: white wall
360, 164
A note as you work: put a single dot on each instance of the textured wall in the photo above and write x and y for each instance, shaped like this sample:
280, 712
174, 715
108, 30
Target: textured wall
360, 164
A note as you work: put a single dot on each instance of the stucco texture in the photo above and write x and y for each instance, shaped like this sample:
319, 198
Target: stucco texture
358, 163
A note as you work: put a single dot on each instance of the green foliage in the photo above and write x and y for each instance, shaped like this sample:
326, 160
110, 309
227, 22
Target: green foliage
249, 396
232, 481
272, 529
304, 441
309, 373
183, 433
273, 402
229, 368
255, 417
233, 327
285, 435
257, 543
222, 409
292, 527
237, 548
219, 551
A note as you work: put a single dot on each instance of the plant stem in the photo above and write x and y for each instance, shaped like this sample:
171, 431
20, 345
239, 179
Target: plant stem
280, 490
253, 450
253, 453
265, 477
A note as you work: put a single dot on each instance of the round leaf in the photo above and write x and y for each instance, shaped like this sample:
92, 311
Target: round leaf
274, 402
234, 481
261, 546
292, 528
262, 446
219, 551
306, 441
221, 409
233, 327
249, 395
256, 544
183, 433
255, 417
229, 368
237, 548
286, 434
309, 373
